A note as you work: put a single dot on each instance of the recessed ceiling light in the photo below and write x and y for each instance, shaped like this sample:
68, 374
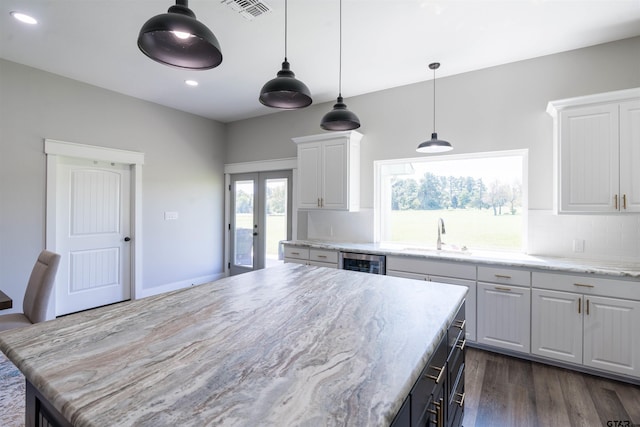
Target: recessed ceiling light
24, 18
191, 83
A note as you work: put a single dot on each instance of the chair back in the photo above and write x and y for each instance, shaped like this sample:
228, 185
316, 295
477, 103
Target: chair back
40, 286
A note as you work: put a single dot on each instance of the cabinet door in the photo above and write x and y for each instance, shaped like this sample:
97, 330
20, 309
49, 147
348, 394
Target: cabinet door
589, 153
630, 156
503, 316
335, 181
309, 175
611, 339
556, 325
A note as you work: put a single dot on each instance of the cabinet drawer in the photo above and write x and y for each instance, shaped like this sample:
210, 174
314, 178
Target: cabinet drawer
296, 252
431, 267
432, 377
323, 255
507, 276
588, 285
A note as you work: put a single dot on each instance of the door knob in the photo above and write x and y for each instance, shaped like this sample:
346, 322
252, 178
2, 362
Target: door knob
126, 239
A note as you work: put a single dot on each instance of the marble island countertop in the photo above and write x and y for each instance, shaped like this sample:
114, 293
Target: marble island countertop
288, 345
582, 266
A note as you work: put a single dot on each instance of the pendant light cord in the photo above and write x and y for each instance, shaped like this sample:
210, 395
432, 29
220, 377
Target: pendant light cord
434, 100
285, 30
340, 61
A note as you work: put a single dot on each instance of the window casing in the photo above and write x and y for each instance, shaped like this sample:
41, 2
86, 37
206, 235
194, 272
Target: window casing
481, 198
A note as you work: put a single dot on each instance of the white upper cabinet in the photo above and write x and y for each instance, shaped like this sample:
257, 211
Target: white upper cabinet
630, 155
329, 171
597, 144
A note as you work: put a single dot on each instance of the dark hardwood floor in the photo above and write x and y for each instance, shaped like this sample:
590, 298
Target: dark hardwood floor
506, 391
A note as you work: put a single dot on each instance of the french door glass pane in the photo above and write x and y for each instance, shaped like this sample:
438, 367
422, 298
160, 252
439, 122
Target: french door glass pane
244, 202
275, 215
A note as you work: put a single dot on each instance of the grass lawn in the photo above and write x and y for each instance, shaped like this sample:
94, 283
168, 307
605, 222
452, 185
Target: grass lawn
276, 230
476, 229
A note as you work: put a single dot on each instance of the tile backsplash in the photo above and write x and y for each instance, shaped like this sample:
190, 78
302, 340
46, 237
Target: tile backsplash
597, 237
601, 237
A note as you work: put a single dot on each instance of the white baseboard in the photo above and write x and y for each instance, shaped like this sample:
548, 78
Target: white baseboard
147, 292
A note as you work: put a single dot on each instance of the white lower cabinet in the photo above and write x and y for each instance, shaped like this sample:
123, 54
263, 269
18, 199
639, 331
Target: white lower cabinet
504, 316
318, 257
585, 328
452, 273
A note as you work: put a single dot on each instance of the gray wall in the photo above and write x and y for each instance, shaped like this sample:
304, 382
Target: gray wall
498, 108
183, 172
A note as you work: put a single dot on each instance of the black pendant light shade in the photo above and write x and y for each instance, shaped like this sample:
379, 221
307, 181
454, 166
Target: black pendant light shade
434, 145
178, 39
285, 91
340, 118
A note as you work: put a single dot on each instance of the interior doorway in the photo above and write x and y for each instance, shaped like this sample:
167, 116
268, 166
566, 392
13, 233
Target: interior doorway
94, 199
261, 210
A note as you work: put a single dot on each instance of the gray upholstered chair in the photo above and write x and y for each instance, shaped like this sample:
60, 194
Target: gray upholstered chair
37, 295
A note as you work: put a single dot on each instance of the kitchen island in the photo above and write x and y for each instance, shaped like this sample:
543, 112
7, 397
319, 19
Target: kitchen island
288, 345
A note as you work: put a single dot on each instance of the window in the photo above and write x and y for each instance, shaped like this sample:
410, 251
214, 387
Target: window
481, 198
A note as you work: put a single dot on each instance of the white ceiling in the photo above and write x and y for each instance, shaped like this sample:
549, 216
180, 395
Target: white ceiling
386, 43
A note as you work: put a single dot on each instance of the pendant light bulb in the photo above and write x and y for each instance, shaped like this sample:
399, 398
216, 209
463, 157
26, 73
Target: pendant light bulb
178, 39
285, 91
340, 118
434, 145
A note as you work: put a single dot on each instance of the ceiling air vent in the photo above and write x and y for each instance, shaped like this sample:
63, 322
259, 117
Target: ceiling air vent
249, 9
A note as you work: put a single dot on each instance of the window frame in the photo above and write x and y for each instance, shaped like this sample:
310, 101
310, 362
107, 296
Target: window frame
378, 165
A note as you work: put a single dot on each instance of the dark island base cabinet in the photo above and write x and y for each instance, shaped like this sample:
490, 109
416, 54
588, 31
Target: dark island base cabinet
39, 412
437, 398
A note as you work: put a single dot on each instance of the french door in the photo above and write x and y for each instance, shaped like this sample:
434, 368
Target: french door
260, 218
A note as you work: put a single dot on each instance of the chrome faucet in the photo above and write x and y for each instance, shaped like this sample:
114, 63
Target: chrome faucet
440, 231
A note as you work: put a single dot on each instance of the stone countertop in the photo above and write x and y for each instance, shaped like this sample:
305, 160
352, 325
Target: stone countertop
288, 345
607, 268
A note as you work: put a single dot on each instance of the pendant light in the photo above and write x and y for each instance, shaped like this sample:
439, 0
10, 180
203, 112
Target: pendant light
340, 118
178, 39
434, 145
285, 91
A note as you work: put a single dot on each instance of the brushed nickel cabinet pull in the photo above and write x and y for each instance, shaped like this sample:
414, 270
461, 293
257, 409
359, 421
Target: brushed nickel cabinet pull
295, 253
587, 307
460, 324
584, 285
438, 413
440, 373
502, 288
579, 305
624, 201
461, 345
615, 202
461, 397
322, 256
318, 202
502, 276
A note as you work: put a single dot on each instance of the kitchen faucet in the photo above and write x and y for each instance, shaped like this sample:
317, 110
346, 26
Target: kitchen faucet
440, 231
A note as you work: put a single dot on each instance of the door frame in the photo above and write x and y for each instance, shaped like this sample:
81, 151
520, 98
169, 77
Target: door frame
259, 166
54, 150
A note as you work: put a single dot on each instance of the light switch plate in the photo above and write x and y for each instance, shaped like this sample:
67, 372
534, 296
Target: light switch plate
170, 216
578, 245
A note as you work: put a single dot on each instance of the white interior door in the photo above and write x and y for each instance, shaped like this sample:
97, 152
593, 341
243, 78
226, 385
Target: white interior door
93, 225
